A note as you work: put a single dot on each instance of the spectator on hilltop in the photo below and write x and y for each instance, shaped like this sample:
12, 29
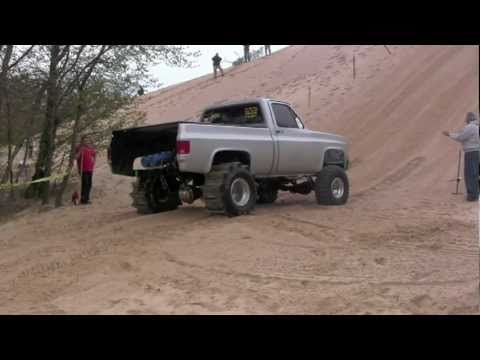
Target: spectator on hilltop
216, 65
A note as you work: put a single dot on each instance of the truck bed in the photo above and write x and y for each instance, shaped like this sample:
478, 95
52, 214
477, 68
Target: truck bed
128, 144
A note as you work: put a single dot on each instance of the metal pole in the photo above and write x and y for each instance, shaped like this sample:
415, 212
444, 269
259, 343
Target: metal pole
458, 171
354, 66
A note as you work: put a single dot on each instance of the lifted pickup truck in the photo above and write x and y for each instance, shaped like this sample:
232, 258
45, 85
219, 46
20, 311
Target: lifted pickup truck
238, 154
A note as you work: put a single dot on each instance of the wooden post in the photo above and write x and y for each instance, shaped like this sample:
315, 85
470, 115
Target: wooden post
309, 96
354, 72
386, 47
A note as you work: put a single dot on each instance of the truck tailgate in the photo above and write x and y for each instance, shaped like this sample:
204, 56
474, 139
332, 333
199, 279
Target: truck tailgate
128, 144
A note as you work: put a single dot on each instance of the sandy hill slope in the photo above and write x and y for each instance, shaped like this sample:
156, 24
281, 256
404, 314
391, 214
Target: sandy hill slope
403, 243
393, 112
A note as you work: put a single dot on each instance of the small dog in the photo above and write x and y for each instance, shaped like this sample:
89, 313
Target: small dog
75, 198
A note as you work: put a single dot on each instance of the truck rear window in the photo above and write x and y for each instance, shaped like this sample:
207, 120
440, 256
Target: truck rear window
242, 115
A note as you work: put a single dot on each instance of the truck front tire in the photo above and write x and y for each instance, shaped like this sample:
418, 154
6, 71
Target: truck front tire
332, 186
230, 189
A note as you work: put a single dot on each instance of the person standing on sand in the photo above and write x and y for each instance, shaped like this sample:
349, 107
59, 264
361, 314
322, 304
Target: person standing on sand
268, 51
216, 65
246, 53
85, 156
469, 138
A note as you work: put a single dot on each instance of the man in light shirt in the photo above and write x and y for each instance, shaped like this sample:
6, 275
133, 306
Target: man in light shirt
469, 138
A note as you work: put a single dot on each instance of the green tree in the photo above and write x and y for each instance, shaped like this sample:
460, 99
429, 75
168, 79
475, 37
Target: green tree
112, 72
11, 57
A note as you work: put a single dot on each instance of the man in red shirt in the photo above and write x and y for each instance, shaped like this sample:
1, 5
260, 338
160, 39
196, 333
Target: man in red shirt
85, 155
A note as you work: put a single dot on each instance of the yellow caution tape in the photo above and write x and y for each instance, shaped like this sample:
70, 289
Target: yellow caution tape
53, 177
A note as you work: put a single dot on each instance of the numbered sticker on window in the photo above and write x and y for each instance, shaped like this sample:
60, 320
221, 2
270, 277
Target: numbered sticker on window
251, 113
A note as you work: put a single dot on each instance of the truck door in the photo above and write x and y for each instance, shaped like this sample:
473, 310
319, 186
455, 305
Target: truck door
292, 144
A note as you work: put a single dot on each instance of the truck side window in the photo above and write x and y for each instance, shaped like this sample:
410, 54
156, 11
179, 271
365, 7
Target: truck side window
284, 116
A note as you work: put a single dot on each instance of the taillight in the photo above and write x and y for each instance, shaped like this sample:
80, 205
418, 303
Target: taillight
183, 147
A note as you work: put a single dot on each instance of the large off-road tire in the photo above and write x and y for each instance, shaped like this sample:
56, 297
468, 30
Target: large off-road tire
148, 197
139, 199
229, 189
267, 194
332, 186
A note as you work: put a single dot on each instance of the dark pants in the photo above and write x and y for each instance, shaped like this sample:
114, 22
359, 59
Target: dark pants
215, 68
246, 55
471, 165
86, 187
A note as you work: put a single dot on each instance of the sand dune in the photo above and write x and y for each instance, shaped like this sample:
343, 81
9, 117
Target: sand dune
403, 244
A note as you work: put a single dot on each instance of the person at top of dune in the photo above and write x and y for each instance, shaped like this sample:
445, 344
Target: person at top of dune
216, 65
246, 53
85, 156
469, 138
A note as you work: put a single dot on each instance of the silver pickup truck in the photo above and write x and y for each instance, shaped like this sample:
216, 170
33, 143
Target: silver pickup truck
238, 154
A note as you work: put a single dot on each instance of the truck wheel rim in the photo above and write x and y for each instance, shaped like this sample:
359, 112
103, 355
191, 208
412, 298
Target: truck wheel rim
338, 188
240, 192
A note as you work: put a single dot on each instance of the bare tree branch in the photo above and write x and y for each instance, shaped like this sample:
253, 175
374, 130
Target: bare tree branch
66, 54
65, 51
74, 64
21, 57
90, 65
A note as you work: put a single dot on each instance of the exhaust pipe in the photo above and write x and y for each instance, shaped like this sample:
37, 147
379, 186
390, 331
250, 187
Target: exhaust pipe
303, 188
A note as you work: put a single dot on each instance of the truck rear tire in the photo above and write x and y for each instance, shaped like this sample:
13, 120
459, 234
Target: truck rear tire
139, 199
148, 198
332, 186
229, 189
